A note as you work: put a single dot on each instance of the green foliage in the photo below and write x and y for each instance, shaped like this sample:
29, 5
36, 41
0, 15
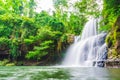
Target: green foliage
6, 62
112, 6
39, 51
24, 7
28, 41
14, 48
28, 34
64, 38
88, 8
105, 28
10, 64
109, 39
42, 19
57, 26
58, 3
111, 11
76, 23
4, 41
31, 5
45, 33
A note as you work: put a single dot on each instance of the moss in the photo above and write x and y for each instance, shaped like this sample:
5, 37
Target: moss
4, 62
117, 28
113, 40
10, 64
111, 13
114, 35
114, 53
118, 35
109, 40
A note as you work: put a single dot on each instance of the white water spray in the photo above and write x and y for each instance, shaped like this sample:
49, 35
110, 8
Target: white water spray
89, 49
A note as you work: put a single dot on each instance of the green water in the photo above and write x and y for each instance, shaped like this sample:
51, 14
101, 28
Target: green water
58, 73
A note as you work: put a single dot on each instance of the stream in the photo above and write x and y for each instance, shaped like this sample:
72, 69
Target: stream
58, 73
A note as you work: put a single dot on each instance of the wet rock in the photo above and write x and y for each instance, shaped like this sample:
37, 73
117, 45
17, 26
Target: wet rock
112, 63
99, 63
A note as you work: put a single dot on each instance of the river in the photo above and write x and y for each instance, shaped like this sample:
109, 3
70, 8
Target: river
58, 73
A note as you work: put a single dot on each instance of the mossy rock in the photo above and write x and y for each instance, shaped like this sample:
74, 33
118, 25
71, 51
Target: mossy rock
112, 38
109, 40
114, 52
4, 62
117, 46
10, 64
118, 35
117, 28
117, 24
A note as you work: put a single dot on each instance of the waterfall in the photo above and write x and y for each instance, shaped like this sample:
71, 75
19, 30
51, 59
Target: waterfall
76, 39
90, 50
89, 29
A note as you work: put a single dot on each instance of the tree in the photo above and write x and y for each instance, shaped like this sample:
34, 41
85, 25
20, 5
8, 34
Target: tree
88, 8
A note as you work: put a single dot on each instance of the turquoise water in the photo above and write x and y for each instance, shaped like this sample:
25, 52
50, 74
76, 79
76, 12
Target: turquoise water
58, 73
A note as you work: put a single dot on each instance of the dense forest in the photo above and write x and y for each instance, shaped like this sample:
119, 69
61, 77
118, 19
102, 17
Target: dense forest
28, 37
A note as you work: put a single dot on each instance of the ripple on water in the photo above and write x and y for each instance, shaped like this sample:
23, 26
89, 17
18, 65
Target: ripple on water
58, 73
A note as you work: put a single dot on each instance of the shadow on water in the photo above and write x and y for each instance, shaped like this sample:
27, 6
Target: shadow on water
58, 73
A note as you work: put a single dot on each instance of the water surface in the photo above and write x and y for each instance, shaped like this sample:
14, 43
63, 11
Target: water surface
58, 73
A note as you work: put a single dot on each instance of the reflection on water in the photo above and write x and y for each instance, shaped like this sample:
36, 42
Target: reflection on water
58, 73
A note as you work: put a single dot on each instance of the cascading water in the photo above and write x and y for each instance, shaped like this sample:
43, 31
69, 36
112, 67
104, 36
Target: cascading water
76, 39
90, 50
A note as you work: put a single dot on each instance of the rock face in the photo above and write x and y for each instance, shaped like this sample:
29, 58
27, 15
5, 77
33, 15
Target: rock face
112, 63
113, 41
117, 46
